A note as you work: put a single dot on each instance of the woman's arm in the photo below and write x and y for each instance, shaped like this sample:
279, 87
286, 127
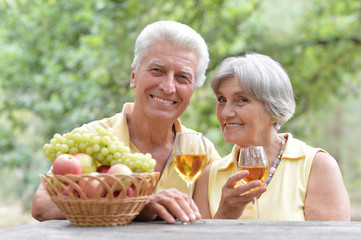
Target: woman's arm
326, 197
200, 195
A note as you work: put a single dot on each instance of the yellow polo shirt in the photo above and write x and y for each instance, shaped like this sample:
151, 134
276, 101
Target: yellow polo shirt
169, 177
285, 195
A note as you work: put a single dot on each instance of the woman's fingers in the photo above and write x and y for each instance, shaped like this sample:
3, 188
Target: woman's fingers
233, 179
247, 191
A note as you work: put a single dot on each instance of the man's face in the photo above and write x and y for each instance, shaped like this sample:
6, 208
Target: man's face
165, 81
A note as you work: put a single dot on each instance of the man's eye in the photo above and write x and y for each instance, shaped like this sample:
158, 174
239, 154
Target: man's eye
184, 79
155, 71
221, 100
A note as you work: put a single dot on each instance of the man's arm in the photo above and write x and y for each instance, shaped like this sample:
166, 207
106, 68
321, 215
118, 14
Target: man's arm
43, 207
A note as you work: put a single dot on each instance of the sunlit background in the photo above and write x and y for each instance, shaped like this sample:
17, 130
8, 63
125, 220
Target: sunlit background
65, 63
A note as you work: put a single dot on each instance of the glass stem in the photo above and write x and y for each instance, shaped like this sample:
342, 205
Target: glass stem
190, 193
257, 208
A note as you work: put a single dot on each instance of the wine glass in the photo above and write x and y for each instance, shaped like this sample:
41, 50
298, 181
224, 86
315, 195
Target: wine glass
254, 160
189, 158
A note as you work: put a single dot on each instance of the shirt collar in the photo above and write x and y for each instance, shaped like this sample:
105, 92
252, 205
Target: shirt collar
230, 160
127, 108
178, 126
124, 137
292, 151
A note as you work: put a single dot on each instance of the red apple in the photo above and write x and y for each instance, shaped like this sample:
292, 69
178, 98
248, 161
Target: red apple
67, 164
103, 169
130, 191
122, 169
116, 193
87, 162
92, 187
67, 190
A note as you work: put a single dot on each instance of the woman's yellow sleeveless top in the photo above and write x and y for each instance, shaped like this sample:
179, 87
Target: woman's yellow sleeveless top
285, 195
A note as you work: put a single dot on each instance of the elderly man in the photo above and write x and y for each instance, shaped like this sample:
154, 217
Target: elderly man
169, 63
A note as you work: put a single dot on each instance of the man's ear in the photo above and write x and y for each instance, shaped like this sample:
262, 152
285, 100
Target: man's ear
132, 80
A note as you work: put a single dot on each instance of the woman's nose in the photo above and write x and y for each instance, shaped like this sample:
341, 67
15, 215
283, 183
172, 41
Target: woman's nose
228, 110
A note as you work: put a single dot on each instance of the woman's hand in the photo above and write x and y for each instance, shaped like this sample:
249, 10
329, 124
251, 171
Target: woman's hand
235, 198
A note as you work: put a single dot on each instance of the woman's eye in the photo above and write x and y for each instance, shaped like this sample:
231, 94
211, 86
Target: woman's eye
242, 99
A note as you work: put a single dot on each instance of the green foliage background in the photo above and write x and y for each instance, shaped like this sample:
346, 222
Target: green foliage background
65, 63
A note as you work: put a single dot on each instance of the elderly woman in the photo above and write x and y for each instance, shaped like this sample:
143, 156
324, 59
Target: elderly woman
255, 98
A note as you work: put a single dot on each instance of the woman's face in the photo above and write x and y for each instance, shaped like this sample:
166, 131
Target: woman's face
243, 119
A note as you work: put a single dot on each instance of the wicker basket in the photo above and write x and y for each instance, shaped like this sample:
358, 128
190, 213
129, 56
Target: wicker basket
101, 199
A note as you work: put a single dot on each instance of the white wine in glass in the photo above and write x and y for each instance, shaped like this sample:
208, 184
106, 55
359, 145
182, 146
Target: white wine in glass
189, 158
189, 166
254, 160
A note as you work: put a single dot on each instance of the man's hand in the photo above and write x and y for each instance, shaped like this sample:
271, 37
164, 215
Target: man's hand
169, 205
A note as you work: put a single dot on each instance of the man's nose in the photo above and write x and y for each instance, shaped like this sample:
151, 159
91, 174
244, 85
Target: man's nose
168, 84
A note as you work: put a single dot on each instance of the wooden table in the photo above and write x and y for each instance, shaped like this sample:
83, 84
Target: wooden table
212, 229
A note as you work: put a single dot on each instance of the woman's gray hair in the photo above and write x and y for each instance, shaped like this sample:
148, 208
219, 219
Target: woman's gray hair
262, 78
176, 33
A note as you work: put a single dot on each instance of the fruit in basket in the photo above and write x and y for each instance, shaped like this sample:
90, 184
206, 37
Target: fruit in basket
92, 186
102, 169
87, 162
130, 191
120, 169
102, 145
109, 210
69, 190
67, 164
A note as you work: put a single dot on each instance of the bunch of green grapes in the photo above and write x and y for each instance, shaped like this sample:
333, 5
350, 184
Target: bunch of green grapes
103, 146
